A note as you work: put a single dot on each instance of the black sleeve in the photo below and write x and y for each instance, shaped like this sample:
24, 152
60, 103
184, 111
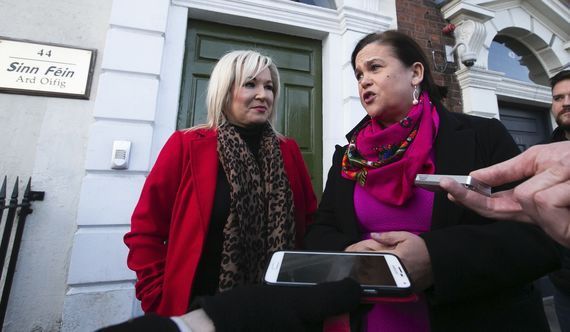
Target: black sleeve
330, 231
485, 257
146, 323
476, 261
254, 308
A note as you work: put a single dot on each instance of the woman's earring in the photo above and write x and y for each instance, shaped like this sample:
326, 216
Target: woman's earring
415, 95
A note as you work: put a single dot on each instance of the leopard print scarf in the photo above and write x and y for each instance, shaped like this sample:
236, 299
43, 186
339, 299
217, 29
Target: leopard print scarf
261, 218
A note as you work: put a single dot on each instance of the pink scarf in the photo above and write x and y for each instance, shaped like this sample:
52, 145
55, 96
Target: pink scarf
385, 161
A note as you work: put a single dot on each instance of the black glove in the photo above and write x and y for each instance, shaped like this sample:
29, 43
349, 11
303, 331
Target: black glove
280, 308
150, 323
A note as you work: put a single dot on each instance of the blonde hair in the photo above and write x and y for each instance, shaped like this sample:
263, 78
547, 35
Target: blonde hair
233, 70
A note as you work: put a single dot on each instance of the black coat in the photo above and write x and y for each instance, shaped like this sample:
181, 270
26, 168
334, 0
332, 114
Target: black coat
482, 269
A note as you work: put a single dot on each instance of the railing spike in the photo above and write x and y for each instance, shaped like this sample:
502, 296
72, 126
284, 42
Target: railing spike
3, 189
15, 190
3, 197
28, 187
21, 211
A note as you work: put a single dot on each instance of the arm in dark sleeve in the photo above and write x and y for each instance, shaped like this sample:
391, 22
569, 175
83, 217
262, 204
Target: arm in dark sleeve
483, 256
472, 261
263, 308
147, 323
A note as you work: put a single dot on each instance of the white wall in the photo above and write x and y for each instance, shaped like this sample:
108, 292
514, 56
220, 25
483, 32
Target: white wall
144, 51
100, 287
45, 137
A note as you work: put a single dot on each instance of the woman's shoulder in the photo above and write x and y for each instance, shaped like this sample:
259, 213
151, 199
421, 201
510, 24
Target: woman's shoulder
182, 138
290, 148
191, 134
288, 142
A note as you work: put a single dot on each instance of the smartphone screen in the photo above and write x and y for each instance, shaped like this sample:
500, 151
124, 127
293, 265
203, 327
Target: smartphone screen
316, 268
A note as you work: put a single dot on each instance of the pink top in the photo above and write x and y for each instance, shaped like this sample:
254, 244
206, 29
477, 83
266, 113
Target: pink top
415, 217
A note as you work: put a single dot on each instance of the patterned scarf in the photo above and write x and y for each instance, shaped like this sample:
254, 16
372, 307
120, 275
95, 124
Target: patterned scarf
385, 161
261, 218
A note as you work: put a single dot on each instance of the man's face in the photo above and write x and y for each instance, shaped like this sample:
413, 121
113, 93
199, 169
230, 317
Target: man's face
561, 104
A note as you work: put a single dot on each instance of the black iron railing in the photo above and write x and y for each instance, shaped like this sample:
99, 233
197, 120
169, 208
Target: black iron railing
12, 228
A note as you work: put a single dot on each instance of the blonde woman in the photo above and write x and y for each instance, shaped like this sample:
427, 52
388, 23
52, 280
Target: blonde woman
220, 196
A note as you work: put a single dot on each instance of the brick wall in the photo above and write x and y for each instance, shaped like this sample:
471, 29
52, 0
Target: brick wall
423, 21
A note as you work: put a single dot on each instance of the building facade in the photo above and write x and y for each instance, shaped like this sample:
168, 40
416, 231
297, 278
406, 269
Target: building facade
152, 61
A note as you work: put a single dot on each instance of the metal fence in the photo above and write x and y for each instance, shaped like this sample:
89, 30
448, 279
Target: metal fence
12, 228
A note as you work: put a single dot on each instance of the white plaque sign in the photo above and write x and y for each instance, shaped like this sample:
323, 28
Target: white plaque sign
45, 69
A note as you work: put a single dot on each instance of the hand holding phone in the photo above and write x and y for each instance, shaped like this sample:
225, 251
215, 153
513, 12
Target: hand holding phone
431, 182
379, 274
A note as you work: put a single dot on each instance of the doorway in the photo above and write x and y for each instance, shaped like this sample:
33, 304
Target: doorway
299, 111
528, 125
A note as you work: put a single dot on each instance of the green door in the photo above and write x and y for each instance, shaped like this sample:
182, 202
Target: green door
299, 61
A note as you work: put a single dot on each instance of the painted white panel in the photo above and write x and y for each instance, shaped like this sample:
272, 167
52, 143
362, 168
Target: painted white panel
170, 78
283, 16
561, 49
481, 102
124, 96
99, 255
90, 308
102, 134
542, 31
108, 200
521, 18
349, 82
490, 34
349, 40
134, 51
140, 14
502, 20
354, 112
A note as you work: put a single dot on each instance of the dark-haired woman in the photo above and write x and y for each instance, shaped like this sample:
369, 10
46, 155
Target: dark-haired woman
472, 273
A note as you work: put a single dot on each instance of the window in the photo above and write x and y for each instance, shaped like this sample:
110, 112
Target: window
511, 57
319, 3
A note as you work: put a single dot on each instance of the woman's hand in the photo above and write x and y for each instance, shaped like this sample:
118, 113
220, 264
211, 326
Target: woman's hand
367, 245
412, 251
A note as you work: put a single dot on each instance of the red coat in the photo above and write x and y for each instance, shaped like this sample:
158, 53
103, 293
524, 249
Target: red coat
170, 221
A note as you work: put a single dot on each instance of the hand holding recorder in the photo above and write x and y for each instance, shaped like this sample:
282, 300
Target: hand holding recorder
432, 182
543, 199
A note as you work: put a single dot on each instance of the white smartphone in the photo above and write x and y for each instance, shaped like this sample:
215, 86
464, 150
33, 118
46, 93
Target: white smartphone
431, 182
379, 274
